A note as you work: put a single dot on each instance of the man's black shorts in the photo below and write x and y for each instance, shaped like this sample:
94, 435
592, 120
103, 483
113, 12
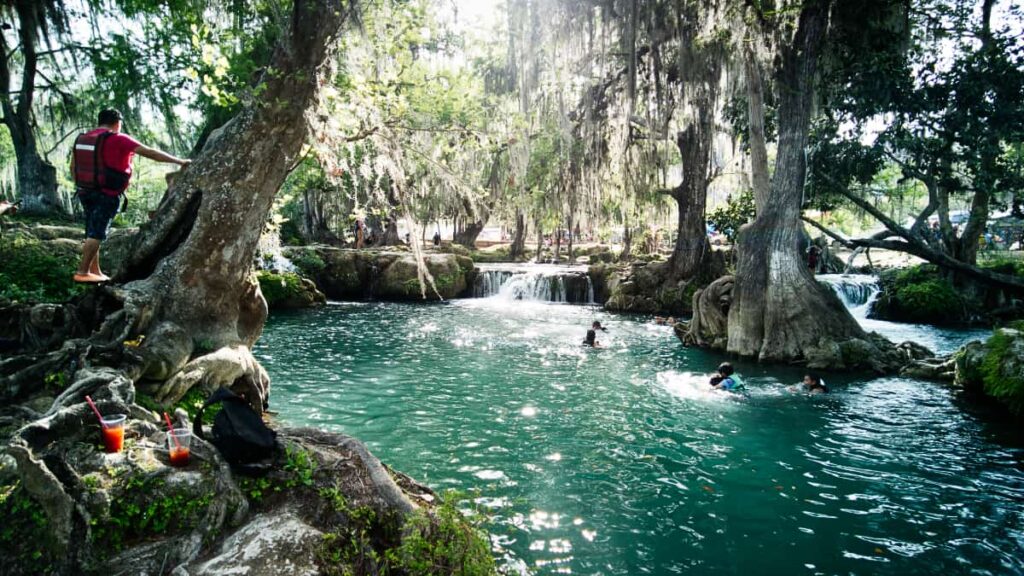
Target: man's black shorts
100, 210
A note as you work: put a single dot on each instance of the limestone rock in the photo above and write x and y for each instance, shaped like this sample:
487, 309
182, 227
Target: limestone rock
274, 544
995, 368
346, 274
289, 291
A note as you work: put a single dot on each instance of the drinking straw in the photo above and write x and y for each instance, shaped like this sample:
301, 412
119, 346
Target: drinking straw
94, 409
170, 430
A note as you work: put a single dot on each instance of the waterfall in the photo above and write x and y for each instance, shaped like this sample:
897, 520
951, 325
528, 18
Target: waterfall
270, 256
542, 283
857, 291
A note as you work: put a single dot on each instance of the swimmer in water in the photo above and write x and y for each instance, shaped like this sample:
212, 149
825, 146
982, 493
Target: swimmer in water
591, 339
726, 379
812, 384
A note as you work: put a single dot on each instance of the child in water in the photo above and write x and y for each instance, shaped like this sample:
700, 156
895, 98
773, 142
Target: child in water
813, 384
726, 379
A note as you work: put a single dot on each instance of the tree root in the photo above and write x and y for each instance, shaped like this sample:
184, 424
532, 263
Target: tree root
232, 367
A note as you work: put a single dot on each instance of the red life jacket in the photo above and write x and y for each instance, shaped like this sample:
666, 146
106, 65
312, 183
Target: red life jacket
91, 172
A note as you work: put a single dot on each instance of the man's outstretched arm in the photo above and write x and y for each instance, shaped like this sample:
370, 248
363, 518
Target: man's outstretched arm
160, 155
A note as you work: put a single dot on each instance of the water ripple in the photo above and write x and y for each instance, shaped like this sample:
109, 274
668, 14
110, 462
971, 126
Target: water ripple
622, 461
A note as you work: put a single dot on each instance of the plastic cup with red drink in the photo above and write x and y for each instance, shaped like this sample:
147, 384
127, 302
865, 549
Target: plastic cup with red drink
113, 432
178, 442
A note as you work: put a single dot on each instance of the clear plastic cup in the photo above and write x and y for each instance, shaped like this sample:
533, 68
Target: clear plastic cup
179, 441
113, 432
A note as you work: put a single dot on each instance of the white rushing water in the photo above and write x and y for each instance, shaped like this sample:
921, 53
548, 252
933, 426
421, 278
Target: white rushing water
535, 282
859, 292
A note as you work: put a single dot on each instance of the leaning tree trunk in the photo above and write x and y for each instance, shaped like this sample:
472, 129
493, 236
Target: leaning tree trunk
540, 243
188, 276
468, 235
779, 311
187, 308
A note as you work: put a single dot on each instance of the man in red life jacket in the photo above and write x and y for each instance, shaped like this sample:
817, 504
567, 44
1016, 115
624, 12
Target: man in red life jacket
101, 165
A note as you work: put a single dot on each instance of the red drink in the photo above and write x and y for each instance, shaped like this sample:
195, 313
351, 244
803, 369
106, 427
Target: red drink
179, 456
113, 438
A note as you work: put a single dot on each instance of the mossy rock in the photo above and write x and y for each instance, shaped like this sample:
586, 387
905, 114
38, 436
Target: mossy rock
919, 295
400, 280
288, 290
35, 271
995, 368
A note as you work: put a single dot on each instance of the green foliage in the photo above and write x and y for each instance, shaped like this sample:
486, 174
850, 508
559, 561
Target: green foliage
443, 541
255, 489
950, 88
32, 272
300, 466
729, 218
279, 286
1006, 388
145, 506
920, 295
55, 381
434, 542
24, 533
308, 261
191, 402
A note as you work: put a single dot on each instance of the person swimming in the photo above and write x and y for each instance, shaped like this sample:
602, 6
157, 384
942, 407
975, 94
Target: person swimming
813, 384
726, 379
591, 339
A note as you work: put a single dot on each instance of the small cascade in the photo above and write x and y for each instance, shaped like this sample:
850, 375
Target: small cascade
857, 291
270, 256
541, 283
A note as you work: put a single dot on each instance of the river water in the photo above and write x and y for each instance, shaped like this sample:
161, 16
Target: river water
620, 461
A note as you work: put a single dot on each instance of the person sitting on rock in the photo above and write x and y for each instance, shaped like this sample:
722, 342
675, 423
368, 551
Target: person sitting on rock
726, 379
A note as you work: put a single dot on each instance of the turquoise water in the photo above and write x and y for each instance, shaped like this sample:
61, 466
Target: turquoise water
620, 461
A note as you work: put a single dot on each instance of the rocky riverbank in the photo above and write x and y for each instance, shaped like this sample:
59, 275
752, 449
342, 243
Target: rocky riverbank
325, 505
384, 274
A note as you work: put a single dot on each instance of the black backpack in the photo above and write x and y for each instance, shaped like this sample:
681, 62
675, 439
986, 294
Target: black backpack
238, 433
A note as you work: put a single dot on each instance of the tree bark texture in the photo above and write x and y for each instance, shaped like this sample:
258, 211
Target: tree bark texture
779, 311
191, 268
700, 70
755, 111
518, 248
37, 178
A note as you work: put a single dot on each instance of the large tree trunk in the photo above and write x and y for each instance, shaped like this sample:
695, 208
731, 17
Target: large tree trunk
191, 270
779, 311
468, 235
701, 78
518, 248
188, 288
37, 178
691, 197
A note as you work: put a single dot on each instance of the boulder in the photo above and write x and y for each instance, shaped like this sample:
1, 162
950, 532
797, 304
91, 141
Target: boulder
289, 291
995, 368
347, 274
276, 544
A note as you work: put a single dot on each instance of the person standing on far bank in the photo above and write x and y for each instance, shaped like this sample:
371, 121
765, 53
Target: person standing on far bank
101, 166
